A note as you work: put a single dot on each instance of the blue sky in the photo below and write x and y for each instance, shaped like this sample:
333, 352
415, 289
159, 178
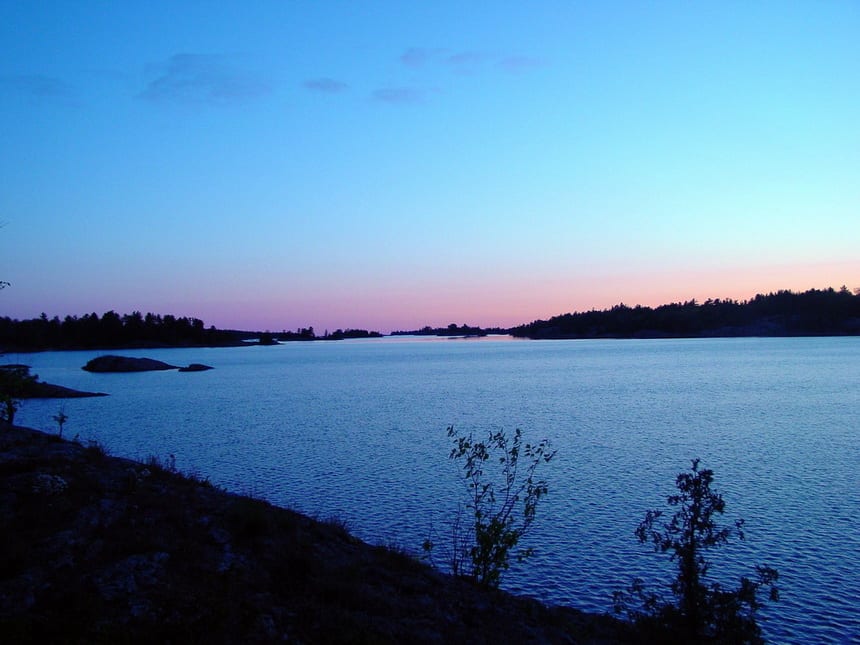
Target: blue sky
390, 165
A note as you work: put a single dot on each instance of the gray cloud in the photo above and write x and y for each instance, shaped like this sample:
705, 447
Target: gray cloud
325, 85
36, 86
399, 95
202, 78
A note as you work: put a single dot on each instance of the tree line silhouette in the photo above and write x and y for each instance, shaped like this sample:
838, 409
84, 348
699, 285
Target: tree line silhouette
784, 313
450, 330
112, 331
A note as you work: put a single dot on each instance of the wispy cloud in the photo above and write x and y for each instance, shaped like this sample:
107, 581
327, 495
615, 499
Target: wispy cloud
202, 78
519, 64
419, 56
325, 85
467, 61
399, 95
35, 86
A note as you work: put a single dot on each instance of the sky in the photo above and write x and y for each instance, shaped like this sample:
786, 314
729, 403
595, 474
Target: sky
390, 165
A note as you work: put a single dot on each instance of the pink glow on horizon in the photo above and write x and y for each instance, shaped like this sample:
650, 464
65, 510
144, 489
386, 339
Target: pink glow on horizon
630, 166
388, 303
510, 303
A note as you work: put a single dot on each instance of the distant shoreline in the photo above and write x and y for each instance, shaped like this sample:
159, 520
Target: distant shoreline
485, 337
827, 312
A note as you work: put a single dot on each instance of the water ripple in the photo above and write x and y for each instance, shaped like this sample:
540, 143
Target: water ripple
357, 431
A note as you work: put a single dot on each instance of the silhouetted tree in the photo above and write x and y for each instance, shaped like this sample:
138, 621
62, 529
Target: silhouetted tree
700, 612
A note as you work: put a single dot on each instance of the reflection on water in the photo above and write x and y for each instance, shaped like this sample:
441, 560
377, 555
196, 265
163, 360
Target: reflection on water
356, 429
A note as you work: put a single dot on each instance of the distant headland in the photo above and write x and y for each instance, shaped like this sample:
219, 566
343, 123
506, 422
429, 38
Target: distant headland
825, 312
139, 331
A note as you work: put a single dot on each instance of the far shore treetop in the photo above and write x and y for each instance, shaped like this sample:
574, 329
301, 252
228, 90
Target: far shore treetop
784, 313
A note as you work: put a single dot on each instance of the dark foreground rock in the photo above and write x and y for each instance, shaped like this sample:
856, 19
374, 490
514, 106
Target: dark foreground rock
101, 549
17, 383
112, 363
41, 390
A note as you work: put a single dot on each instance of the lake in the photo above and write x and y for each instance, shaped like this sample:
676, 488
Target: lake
355, 430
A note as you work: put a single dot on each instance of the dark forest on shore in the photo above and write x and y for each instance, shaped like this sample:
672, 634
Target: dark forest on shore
815, 312
827, 312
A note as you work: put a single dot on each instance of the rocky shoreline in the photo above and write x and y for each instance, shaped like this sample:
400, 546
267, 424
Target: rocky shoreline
104, 549
18, 383
42, 390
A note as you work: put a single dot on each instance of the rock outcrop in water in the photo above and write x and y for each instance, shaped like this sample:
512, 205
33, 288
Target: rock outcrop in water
112, 363
101, 549
195, 367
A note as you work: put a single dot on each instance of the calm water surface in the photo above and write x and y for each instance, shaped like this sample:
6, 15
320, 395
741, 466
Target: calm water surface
356, 430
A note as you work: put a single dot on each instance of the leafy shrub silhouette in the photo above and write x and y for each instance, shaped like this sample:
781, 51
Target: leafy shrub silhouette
498, 516
15, 380
60, 418
700, 612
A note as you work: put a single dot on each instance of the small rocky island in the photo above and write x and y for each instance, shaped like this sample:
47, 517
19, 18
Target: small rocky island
112, 363
195, 367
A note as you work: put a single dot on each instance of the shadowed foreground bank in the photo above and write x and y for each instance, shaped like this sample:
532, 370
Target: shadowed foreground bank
102, 549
